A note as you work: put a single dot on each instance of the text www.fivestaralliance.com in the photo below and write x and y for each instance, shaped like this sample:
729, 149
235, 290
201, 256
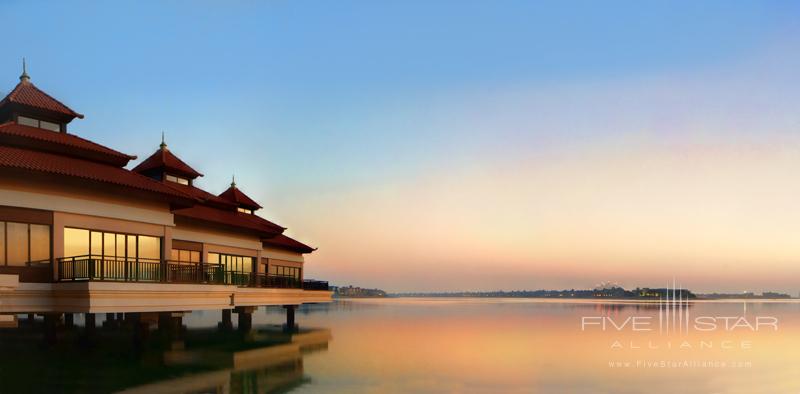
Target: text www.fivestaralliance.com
678, 364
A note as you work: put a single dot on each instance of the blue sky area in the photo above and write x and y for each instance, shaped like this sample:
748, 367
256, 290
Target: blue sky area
304, 100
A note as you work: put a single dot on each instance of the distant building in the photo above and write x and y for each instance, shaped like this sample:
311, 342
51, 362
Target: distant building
356, 292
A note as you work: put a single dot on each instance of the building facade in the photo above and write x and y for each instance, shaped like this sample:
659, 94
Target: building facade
79, 232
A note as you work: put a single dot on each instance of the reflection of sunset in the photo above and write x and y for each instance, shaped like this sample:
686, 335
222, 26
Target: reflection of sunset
486, 343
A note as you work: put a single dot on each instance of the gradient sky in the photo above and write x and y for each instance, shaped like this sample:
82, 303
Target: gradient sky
451, 145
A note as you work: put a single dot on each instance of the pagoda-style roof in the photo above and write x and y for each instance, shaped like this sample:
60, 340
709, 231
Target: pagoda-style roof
229, 219
165, 161
281, 241
236, 196
25, 161
13, 134
28, 96
202, 196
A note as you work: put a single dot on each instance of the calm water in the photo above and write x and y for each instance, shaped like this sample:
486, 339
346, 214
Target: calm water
429, 345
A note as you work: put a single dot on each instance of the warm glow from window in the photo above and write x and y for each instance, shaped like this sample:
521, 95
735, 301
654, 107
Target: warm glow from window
21, 243
233, 263
185, 256
80, 242
282, 270
244, 210
177, 179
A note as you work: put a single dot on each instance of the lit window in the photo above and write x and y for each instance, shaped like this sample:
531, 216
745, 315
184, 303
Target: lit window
185, 256
281, 270
177, 179
80, 242
244, 210
23, 243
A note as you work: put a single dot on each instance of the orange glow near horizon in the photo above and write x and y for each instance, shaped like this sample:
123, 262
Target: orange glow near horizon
719, 217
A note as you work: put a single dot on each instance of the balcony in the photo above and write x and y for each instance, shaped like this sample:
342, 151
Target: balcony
100, 268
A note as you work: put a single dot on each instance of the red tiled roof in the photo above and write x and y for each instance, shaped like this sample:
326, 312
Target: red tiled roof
165, 159
230, 219
40, 139
27, 94
24, 159
234, 195
283, 242
200, 194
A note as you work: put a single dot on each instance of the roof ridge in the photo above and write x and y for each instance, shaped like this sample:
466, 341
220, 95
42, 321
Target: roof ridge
92, 146
181, 161
178, 186
12, 96
52, 157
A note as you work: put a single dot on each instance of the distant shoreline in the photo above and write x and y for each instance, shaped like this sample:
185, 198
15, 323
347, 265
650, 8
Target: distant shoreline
580, 300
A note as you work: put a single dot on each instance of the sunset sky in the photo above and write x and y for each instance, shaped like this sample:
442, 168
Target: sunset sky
456, 145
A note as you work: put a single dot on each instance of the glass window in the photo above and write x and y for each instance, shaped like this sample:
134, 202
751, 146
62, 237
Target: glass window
149, 247
76, 242
17, 240
40, 242
120, 246
2, 243
186, 256
49, 126
231, 262
280, 270
243, 210
177, 179
97, 243
25, 121
109, 245
131, 247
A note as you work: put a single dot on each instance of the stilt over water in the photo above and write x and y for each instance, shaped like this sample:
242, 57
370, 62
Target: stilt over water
290, 324
51, 321
69, 320
170, 323
245, 317
227, 323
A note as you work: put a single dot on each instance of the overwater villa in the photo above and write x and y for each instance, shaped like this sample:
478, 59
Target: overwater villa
80, 233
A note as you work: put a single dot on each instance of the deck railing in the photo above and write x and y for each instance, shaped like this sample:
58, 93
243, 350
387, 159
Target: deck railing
310, 284
81, 268
103, 268
276, 281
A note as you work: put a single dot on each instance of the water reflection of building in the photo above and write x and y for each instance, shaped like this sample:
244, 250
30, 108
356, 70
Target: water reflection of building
80, 233
167, 361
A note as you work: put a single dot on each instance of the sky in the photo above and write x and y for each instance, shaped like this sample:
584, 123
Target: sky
461, 145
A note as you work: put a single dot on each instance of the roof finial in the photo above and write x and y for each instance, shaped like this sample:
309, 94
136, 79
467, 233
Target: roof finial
233, 181
163, 145
24, 77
